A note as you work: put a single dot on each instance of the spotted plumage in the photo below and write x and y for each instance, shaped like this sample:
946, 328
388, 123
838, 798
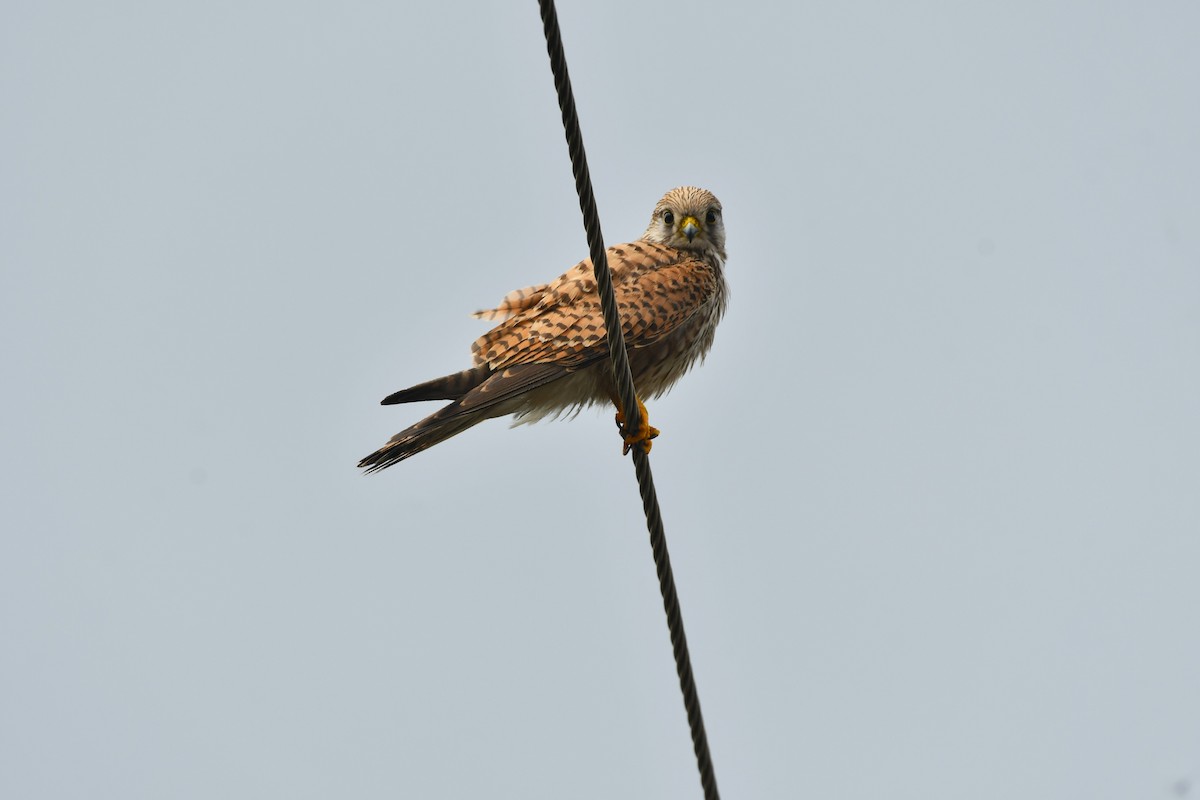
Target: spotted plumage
549, 352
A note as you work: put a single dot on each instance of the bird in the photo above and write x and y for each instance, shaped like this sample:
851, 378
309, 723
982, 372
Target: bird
549, 353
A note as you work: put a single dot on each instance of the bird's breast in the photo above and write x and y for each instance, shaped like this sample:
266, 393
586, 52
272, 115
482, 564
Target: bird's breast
657, 366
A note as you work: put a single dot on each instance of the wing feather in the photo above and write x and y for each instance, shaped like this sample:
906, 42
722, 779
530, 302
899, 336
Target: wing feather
658, 288
514, 302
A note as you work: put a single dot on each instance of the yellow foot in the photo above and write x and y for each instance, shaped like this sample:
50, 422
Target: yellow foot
640, 437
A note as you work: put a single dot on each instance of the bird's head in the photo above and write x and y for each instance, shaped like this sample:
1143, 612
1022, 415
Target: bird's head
690, 219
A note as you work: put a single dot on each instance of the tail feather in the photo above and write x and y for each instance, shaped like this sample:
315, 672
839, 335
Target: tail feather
436, 428
493, 394
448, 387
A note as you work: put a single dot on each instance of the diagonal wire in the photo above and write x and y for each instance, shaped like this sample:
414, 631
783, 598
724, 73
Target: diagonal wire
625, 389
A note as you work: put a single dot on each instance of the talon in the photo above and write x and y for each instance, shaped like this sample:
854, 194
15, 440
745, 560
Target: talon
640, 437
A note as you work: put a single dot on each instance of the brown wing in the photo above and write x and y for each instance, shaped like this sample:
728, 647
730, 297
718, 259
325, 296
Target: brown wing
658, 289
514, 302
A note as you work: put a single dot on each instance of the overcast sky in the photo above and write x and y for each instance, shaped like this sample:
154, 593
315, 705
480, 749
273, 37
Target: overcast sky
932, 501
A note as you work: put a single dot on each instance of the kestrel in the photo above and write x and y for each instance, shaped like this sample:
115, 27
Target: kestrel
549, 354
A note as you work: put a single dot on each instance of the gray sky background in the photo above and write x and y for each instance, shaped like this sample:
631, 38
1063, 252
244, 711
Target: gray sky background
932, 501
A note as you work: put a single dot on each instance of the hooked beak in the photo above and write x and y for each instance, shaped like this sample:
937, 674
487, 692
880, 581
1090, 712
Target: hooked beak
689, 227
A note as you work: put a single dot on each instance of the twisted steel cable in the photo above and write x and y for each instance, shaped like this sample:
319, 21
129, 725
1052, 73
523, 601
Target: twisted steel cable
628, 396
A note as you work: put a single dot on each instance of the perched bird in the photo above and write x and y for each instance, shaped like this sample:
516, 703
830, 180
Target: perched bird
549, 354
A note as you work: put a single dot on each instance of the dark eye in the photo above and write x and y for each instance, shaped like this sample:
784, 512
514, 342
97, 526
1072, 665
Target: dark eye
668, 217
710, 217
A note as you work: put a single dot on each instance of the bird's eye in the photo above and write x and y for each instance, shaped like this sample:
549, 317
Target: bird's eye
668, 217
710, 217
